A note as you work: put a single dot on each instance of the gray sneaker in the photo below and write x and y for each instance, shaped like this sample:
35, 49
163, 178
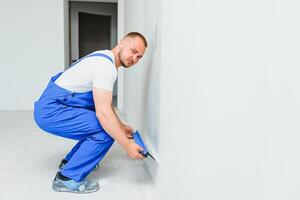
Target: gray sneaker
64, 162
83, 187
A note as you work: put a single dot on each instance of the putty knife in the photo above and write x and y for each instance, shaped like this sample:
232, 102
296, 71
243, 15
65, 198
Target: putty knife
138, 140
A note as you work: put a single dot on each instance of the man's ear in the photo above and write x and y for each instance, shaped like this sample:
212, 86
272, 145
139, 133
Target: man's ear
122, 42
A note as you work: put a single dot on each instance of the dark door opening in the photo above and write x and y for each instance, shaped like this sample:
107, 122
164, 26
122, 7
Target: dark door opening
94, 33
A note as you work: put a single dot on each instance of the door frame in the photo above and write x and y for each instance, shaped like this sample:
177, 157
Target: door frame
120, 34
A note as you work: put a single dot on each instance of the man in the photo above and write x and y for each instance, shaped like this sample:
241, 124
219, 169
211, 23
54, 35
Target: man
77, 104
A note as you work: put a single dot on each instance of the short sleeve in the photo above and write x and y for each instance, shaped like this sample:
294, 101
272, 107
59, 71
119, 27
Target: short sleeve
104, 75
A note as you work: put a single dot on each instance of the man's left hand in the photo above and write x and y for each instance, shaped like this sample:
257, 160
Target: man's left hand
128, 130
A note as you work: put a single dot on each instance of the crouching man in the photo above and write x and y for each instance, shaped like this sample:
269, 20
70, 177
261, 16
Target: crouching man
77, 104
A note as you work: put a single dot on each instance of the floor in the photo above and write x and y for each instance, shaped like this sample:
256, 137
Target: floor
29, 159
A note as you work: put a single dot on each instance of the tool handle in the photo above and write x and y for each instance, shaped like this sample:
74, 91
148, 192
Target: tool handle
138, 140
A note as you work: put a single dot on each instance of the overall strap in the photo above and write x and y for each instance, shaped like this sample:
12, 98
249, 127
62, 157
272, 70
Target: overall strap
92, 55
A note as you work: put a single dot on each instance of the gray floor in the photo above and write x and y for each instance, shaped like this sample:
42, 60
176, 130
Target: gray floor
29, 160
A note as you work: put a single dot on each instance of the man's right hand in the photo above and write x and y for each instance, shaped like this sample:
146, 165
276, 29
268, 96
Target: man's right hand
133, 149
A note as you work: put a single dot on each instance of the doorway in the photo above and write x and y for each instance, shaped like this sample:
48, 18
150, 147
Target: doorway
93, 26
94, 33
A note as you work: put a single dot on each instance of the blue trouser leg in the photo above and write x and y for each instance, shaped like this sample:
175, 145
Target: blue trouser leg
74, 149
91, 152
83, 125
72, 115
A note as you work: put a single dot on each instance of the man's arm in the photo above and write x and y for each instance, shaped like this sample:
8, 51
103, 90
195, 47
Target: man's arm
111, 123
128, 129
116, 114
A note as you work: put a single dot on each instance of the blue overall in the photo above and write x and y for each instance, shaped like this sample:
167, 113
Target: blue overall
72, 115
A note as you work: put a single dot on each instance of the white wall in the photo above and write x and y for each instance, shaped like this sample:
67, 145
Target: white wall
227, 94
230, 100
34, 46
142, 81
32, 49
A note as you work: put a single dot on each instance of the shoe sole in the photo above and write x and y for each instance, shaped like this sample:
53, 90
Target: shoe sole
72, 191
64, 189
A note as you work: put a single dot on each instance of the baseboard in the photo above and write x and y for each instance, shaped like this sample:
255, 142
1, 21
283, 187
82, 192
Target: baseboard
150, 164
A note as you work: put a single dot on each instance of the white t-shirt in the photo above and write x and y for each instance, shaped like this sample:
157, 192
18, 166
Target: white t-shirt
95, 71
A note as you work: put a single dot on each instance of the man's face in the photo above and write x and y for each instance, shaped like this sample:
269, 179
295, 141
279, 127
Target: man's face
132, 51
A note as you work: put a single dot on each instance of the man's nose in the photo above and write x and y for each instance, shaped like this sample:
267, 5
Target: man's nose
135, 58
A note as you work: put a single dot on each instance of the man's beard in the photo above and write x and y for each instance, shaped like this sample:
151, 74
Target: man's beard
121, 60
123, 64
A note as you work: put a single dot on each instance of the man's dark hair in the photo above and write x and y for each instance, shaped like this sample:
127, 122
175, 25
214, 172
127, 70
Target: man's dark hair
136, 34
